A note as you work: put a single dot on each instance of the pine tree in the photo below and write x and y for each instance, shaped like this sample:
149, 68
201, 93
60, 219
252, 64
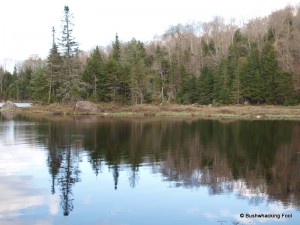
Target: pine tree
188, 93
277, 83
67, 43
221, 83
237, 60
236, 87
269, 72
39, 84
116, 54
135, 59
8, 86
205, 86
162, 67
25, 76
117, 74
285, 93
96, 76
55, 63
72, 85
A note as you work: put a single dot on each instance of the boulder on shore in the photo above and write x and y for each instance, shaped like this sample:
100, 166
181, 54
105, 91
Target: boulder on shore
85, 107
9, 106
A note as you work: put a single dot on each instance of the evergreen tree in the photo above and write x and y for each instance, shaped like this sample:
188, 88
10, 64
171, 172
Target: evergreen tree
277, 83
72, 87
237, 59
236, 87
8, 84
55, 63
118, 76
16, 83
96, 76
135, 58
67, 43
285, 93
270, 72
39, 84
24, 76
205, 86
221, 83
116, 54
115, 76
161, 67
188, 93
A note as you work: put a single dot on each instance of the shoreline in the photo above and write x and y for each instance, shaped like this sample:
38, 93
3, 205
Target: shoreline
253, 112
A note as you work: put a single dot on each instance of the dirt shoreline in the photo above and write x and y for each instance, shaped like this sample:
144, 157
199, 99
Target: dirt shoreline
231, 112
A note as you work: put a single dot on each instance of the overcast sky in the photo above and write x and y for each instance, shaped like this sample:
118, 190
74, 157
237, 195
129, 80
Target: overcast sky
26, 25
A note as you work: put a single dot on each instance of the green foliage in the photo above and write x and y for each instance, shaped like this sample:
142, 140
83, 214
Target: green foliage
188, 94
119, 82
67, 42
9, 89
251, 79
208, 48
220, 64
277, 84
205, 86
95, 76
221, 83
54, 71
38, 85
136, 60
116, 53
72, 86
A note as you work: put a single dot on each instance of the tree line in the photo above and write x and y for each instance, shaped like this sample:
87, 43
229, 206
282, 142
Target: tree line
206, 63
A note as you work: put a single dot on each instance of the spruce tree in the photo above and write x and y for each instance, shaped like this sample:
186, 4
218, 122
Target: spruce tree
278, 84
116, 54
237, 59
205, 86
55, 63
72, 85
221, 83
8, 83
270, 71
135, 59
39, 84
96, 76
25, 76
162, 68
117, 74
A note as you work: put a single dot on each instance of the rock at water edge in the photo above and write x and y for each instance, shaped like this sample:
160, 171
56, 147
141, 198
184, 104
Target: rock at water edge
9, 106
85, 106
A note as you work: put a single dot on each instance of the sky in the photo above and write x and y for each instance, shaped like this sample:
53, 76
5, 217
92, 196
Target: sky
26, 25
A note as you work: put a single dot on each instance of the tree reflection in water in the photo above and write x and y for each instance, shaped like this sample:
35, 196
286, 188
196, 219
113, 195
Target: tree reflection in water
63, 162
261, 157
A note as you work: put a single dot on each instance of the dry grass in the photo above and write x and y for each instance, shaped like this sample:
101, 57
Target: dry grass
231, 111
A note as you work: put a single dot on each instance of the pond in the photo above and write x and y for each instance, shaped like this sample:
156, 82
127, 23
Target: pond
94, 170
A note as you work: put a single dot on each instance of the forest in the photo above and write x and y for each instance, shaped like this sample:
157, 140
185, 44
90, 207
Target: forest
214, 62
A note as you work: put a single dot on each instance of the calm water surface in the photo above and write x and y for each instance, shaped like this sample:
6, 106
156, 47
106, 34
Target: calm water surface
92, 170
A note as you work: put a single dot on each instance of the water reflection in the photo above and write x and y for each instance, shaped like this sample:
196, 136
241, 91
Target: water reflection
257, 159
18, 194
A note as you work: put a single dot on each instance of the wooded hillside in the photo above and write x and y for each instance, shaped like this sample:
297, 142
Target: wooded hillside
214, 62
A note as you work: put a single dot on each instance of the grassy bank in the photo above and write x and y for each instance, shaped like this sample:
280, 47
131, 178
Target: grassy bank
232, 111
